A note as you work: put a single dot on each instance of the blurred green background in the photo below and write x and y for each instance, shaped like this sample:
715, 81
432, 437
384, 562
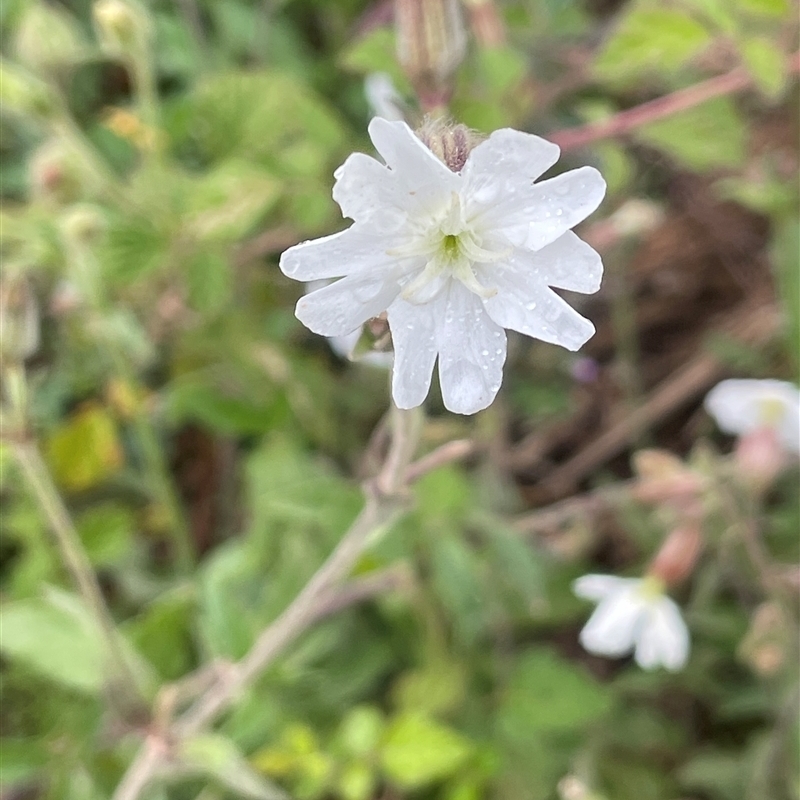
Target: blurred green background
209, 449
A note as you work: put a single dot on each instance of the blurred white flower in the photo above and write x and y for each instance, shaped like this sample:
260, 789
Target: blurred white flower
455, 255
633, 614
382, 96
743, 406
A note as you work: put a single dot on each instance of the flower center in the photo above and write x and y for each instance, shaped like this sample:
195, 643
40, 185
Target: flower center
452, 250
770, 411
651, 587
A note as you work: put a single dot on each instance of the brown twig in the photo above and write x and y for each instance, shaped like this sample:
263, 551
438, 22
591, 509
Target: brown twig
457, 450
755, 324
682, 100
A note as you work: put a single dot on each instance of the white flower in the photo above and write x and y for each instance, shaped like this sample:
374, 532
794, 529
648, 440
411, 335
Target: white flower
454, 257
633, 614
345, 346
742, 406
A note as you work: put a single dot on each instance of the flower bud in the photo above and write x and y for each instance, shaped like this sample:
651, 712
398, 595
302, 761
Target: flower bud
55, 173
431, 44
663, 477
678, 555
19, 319
450, 143
759, 458
47, 38
486, 23
764, 645
25, 94
123, 27
82, 225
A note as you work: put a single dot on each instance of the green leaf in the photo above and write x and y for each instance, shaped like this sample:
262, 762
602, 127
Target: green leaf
766, 62
764, 8
437, 688
547, 695
417, 751
720, 774
86, 450
54, 643
106, 531
656, 40
209, 281
163, 633
360, 731
218, 757
375, 52
709, 136
456, 579
21, 761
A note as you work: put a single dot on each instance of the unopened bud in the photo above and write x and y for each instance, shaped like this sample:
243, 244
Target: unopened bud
82, 225
663, 477
55, 173
450, 143
19, 319
123, 27
47, 38
759, 458
22, 93
431, 44
486, 23
764, 645
678, 555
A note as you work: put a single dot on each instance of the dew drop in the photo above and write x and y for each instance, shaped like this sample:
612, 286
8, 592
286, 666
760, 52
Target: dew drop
530, 306
484, 352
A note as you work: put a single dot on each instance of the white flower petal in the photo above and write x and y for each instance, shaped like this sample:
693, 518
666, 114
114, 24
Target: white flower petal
414, 341
611, 630
406, 155
349, 251
789, 430
598, 587
568, 263
507, 161
663, 637
369, 192
548, 209
524, 305
738, 407
382, 96
346, 304
472, 351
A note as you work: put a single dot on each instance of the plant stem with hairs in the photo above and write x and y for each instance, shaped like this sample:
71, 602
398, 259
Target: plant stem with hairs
385, 498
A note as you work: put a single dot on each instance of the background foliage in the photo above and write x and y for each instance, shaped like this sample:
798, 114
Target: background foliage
149, 223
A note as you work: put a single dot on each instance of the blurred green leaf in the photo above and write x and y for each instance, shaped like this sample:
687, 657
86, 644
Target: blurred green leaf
547, 695
708, 136
218, 757
54, 642
417, 751
766, 63
107, 533
765, 8
86, 450
654, 40
22, 760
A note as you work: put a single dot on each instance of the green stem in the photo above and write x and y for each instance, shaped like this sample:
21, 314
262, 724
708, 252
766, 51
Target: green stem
76, 561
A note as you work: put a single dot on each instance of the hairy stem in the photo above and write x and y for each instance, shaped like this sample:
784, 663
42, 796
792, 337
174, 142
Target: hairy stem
385, 497
682, 100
